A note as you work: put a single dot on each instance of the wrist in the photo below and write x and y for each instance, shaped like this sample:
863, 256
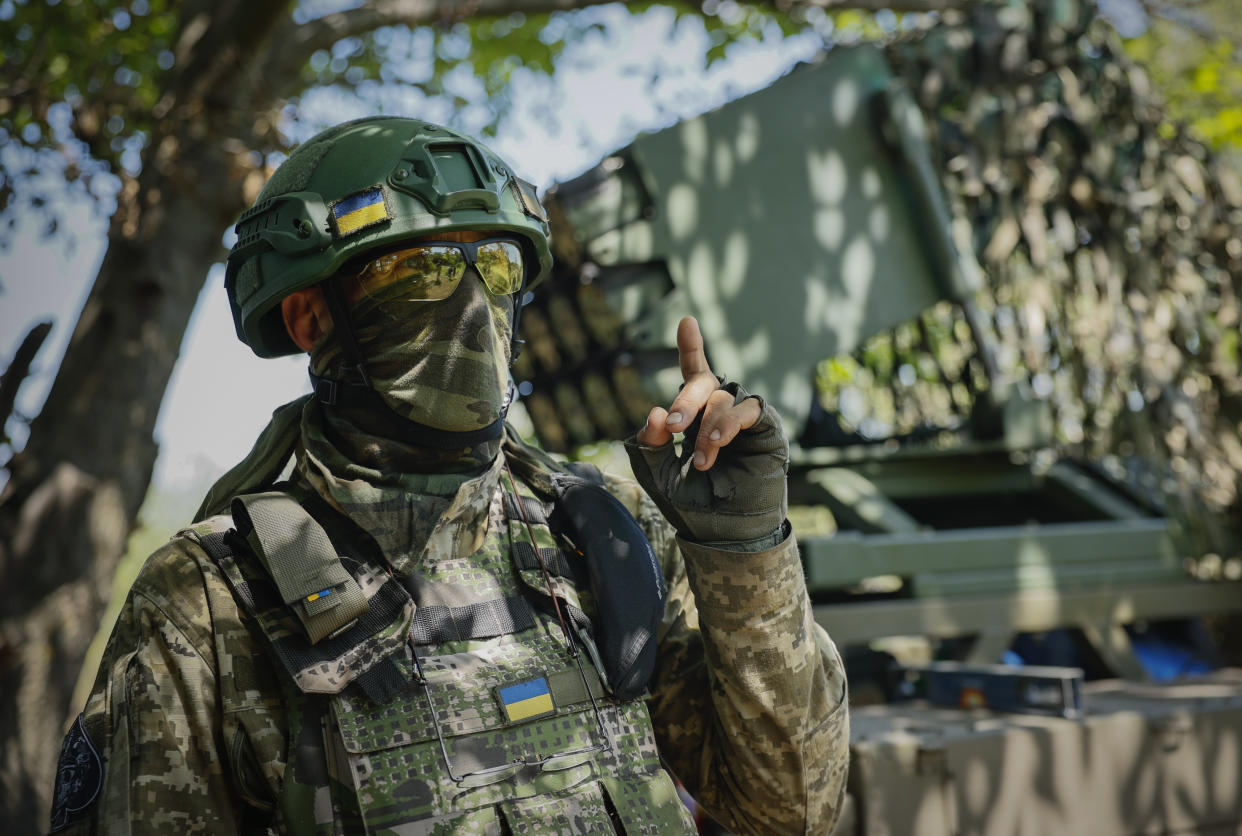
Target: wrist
758, 544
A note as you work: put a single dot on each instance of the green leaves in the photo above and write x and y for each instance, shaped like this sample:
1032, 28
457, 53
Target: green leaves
730, 23
86, 83
82, 81
1200, 77
105, 59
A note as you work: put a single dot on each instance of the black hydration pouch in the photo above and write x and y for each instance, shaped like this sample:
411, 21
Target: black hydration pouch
627, 584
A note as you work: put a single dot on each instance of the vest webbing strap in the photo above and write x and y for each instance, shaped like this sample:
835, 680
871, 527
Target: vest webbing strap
483, 620
214, 545
532, 510
381, 680
253, 598
554, 559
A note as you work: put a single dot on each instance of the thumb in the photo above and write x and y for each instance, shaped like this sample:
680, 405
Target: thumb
655, 433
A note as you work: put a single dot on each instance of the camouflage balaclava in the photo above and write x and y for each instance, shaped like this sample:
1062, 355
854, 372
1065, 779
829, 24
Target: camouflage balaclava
444, 364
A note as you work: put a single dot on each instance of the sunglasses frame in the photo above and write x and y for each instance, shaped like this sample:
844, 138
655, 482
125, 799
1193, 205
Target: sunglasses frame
469, 251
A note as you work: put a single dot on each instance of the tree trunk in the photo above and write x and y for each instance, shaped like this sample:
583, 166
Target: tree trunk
77, 486
75, 490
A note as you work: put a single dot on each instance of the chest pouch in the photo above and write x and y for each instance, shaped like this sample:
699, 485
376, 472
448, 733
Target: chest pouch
299, 557
627, 584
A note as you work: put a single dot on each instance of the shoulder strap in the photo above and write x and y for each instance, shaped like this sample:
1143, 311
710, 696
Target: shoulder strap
299, 557
365, 647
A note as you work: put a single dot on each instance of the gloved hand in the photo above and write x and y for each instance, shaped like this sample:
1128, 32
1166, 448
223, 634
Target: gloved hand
728, 484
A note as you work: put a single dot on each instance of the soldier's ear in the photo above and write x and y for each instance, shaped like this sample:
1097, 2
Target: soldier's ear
306, 317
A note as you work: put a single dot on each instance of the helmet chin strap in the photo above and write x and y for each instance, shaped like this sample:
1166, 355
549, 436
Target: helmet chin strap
359, 395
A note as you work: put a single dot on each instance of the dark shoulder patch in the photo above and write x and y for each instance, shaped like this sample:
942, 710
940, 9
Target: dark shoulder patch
79, 776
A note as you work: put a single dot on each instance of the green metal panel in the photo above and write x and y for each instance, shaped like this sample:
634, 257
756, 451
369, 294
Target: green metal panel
847, 557
858, 501
963, 475
794, 222
1025, 611
1106, 573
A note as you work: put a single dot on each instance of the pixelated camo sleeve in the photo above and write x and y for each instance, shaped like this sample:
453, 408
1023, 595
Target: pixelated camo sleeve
149, 753
749, 696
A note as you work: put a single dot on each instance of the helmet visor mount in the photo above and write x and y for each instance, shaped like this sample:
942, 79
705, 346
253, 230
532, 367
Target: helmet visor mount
432, 270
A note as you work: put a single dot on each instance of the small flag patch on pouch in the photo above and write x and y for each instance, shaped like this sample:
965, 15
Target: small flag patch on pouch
527, 699
359, 210
315, 596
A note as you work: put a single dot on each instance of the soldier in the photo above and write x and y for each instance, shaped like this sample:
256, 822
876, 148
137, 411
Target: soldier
430, 626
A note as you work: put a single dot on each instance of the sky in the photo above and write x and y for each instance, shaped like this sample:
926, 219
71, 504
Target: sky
221, 395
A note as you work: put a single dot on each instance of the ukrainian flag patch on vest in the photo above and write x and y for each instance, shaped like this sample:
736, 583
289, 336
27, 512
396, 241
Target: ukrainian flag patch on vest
359, 210
525, 700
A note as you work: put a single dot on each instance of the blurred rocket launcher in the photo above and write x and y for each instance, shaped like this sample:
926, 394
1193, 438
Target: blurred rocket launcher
778, 220
797, 223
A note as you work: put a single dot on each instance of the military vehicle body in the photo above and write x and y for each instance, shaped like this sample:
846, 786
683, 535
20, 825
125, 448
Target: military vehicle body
796, 224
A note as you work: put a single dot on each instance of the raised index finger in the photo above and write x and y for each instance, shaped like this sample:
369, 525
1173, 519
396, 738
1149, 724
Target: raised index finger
690, 349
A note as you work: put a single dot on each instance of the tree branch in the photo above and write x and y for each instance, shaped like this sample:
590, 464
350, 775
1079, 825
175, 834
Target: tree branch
18, 370
213, 44
295, 43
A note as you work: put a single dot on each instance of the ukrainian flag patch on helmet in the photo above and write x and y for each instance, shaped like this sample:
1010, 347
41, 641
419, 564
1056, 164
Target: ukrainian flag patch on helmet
527, 699
359, 210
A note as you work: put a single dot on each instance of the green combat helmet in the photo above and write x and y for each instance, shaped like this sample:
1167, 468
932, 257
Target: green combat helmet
363, 185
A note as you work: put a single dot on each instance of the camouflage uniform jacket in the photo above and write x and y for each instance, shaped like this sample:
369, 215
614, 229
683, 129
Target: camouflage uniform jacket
188, 716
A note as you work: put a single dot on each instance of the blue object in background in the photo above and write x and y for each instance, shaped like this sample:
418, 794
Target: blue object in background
1056, 647
1157, 649
1164, 660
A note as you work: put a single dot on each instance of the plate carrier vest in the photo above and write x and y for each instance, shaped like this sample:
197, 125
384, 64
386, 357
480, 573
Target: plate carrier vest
449, 701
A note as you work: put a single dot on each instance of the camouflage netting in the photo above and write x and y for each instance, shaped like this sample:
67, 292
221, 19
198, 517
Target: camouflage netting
1113, 253
1112, 248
